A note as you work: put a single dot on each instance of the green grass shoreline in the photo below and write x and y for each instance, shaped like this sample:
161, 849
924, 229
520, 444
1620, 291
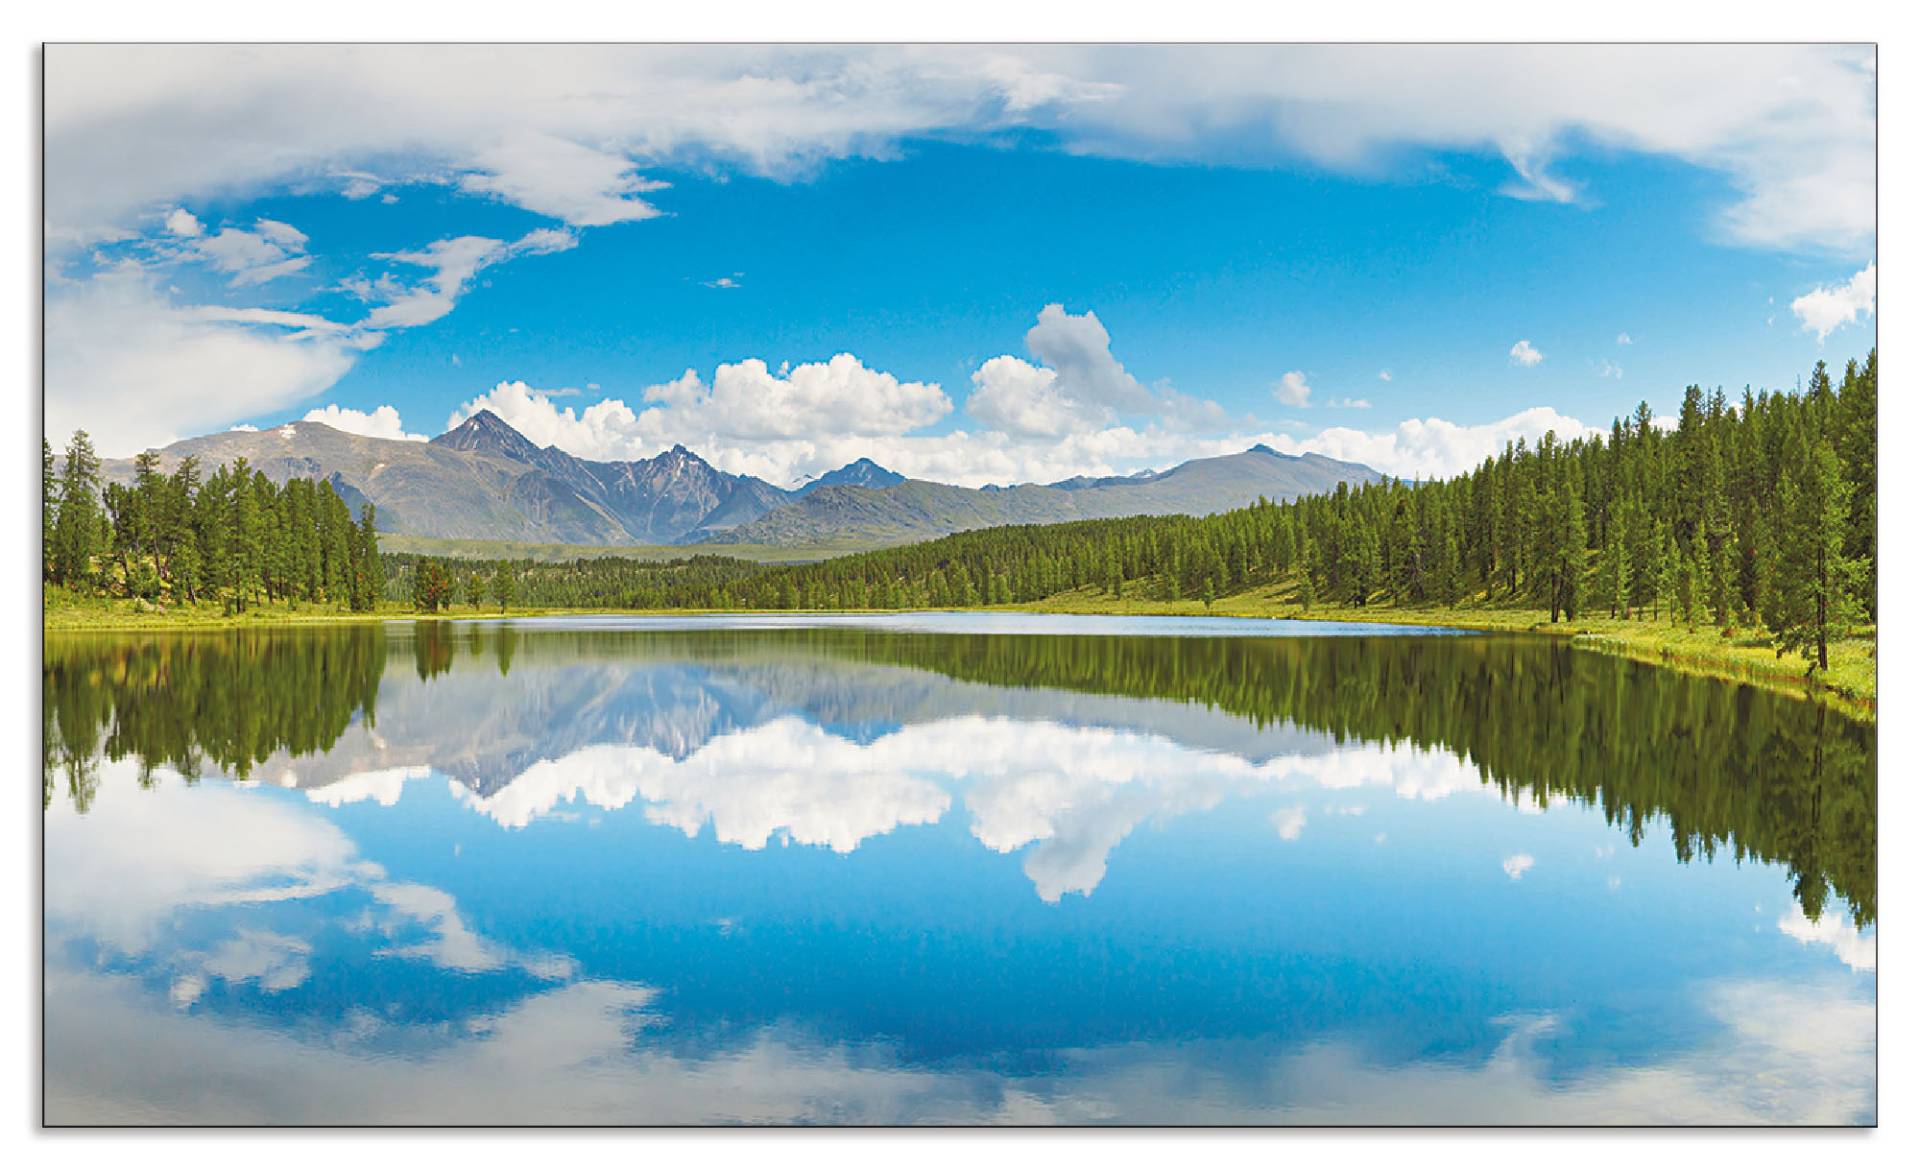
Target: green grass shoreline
1850, 684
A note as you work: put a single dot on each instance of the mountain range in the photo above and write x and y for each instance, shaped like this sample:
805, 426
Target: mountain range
485, 480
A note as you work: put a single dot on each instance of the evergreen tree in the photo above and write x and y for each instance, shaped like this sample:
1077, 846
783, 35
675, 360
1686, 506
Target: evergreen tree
77, 526
1814, 603
366, 563
503, 586
1616, 573
1667, 576
49, 508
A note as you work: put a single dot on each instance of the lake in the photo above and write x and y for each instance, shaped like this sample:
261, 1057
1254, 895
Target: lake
944, 869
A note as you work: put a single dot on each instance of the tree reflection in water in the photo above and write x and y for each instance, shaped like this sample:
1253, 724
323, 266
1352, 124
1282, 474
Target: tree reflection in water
1727, 767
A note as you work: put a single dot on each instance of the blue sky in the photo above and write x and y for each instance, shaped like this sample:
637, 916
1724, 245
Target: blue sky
1230, 263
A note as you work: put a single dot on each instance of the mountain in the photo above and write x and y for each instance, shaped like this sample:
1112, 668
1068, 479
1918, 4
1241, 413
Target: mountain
859, 473
918, 510
484, 480
668, 498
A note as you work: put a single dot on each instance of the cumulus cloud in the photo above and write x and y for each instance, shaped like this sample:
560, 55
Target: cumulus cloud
1623, 339
1829, 306
562, 129
1607, 369
1350, 404
1289, 822
1292, 389
687, 411
1386, 375
1523, 354
1433, 446
1020, 398
1077, 385
382, 422
746, 405
182, 222
1517, 865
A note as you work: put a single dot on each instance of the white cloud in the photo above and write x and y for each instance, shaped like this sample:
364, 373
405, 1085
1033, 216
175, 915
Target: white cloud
723, 281
382, 422
382, 786
1019, 398
276, 962
583, 185
1079, 351
1607, 369
1289, 822
196, 369
1767, 1054
1523, 354
138, 858
361, 184
200, 366
1858, 949
1386, 375
1063, 795
1078, 385
746, 406
544, 242
451, 265
1433, 446
1830, 306
1623, 339
1292, 389
560, 129
283, 234
1517, 865
271, 250
1350, 404
822, 791
686, 411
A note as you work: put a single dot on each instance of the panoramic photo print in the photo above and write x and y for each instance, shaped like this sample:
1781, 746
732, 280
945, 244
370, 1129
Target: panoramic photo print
959, 585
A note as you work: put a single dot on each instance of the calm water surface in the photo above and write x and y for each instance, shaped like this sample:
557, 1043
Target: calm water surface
944, 869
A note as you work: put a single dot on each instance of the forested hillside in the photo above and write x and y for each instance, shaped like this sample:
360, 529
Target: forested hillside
1758, 514
1752, 514
235, 538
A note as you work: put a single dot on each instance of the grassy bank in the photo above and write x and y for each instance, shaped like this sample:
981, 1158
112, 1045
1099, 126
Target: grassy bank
518, 550
1742, 655
65, 612
1739, 655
